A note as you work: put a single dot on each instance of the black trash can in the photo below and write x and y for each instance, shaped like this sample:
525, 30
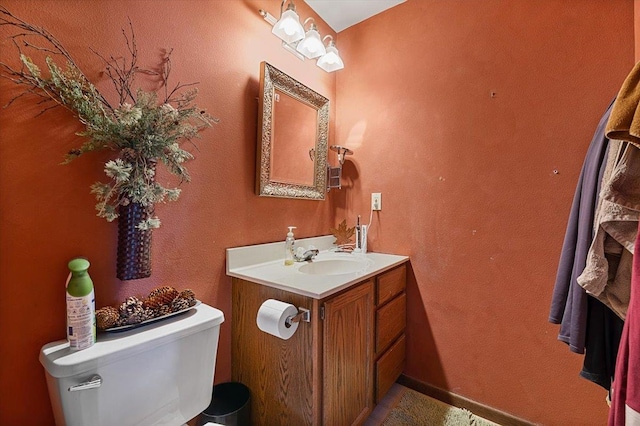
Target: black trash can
230, 405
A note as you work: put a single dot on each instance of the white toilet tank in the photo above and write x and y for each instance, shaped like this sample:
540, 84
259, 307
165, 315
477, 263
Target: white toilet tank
158, 374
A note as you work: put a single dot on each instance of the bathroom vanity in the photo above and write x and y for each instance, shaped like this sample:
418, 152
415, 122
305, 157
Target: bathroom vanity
337, 366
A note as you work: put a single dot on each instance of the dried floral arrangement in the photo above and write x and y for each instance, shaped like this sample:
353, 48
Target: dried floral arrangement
161, 301
144, 127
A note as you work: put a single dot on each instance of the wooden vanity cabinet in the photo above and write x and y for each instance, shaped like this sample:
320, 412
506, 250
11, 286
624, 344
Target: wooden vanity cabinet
333, 369
391, 320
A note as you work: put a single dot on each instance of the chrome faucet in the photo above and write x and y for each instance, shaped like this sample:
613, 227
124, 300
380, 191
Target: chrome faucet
306, 256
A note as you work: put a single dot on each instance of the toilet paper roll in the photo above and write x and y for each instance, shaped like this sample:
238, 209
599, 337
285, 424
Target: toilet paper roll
272, 317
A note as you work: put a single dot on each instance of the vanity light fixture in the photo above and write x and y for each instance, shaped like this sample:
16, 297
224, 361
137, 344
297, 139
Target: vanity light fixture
288, 27
330, 61
311, 46
303, 44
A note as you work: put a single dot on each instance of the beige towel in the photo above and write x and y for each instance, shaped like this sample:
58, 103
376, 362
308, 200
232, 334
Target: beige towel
624, 121
607, 275
624, 185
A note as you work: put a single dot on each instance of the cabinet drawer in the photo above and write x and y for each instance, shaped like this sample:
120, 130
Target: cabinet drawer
389, 367
391, 284
390, 321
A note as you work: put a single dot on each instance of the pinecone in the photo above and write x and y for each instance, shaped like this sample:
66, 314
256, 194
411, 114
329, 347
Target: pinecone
131, 311
136, 318
149, 313
162, 290
107, 317
189, 295
160, 296
179, 304
163, 310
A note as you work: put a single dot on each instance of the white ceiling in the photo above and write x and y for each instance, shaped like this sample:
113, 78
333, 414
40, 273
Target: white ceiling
341, 14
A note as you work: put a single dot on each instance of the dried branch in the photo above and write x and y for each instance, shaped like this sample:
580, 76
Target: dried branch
166, 70
121, 70
170, 97
23, 76
7, 18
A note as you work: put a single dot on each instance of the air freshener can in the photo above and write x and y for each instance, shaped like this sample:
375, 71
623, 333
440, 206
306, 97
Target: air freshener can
81, 319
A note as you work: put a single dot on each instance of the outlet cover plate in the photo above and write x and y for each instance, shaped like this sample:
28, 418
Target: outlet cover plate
376, 201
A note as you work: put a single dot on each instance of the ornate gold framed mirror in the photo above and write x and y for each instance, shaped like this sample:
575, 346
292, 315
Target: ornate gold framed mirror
293, 131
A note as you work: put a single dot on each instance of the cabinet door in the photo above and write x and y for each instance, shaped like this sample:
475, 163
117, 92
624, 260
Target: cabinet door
279, 373
348, 357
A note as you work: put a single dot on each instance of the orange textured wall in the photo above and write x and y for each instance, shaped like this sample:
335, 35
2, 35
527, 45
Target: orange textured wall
468, 183
47, 214
467, 180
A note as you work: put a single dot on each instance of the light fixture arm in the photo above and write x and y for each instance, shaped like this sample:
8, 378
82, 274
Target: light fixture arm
328, 36
291, 6
313, 25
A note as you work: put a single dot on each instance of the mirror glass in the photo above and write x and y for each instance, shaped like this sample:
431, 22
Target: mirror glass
292, 138
294, 134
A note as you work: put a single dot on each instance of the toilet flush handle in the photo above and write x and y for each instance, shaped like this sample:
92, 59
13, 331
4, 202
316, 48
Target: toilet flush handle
94, 382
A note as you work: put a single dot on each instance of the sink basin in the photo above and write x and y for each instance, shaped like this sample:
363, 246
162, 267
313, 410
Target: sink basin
335, 266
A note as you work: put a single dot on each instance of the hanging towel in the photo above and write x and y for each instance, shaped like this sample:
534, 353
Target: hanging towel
604, 330
569, 300
607, 274
624, 122
625, 403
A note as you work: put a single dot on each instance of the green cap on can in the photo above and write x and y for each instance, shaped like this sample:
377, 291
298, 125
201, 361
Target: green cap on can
78, 264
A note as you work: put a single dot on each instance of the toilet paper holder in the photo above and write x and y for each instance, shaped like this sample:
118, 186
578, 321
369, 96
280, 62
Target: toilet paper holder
303, 315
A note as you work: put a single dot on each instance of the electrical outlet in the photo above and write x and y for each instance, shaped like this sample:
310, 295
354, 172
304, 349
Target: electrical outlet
376, 201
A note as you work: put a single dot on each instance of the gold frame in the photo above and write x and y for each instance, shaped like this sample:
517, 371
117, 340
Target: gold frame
271, 79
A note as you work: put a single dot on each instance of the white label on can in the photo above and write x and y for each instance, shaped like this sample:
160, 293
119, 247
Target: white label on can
81, 326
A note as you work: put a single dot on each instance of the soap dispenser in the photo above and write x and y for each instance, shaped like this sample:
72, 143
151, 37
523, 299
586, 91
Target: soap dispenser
288, 247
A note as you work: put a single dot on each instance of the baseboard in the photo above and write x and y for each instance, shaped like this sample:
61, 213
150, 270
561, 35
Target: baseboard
451, 398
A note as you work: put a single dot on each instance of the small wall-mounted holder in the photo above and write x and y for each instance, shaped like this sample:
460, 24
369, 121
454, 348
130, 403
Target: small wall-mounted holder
334, 174
303, 315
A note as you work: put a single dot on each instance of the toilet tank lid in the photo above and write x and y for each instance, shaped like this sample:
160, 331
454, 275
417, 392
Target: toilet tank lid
60, 361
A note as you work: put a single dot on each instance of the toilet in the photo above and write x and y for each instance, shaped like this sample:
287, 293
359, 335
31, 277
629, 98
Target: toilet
157, 374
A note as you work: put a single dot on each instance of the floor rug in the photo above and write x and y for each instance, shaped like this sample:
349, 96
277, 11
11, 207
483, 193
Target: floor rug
416, 409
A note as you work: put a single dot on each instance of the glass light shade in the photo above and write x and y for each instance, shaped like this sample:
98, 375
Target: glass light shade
330, 61
311, 46
288, 28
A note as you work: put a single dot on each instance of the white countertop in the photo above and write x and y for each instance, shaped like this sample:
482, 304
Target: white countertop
264, 264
